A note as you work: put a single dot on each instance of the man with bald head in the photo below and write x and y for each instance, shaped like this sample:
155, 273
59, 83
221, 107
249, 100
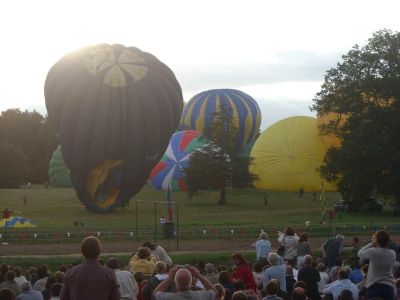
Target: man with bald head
184, 278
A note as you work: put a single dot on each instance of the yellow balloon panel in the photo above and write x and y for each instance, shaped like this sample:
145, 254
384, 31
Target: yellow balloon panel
331, 140
287, 155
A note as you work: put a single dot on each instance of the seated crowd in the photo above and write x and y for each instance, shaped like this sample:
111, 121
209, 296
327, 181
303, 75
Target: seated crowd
371, 272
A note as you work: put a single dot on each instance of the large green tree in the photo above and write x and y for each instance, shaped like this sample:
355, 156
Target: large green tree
33, 134
365, 89
13, 166
219, 165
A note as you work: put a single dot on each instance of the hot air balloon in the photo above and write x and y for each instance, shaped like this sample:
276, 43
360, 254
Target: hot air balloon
58, 171
169, 172
115, 109
199, 111
331, 140
287, 155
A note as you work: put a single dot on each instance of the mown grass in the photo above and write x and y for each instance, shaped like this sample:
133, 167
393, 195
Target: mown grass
55, 209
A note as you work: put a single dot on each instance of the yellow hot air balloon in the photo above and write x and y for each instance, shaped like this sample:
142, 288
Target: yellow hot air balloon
331, 140
287, 155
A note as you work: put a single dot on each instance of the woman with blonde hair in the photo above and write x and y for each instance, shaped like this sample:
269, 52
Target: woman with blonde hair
263, 248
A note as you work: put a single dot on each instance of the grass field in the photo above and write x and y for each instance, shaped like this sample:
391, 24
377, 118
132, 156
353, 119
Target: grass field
55, 209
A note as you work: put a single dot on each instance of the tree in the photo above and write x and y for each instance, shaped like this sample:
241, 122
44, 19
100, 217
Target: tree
218, 164
13, 166
364, 87
34, 135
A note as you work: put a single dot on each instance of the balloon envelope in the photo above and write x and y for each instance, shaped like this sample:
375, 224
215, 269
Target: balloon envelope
287, 155
199, 111
331, 140
115, 109
58, 171
169, 172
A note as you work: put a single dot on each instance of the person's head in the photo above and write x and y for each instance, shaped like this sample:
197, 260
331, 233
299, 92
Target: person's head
238, 258
183, 280
55, 289
43, 271
49, 282
289, 271
272, 288
340, 237
139, 277
303, 237
112, 263
355, 241
321, 267
3, 268
346, 295
143, 253
10, 276
238, 285
382, 238
160, 267
224, 278
62, 268
18, 271
59, 276
308, 260
220, 291
299, 293
288, 231
7, 294
263, 236
26, 286
149, 245
239, 295
344, 273
300, 284
91, 247
273, 259
257, 267
210, 269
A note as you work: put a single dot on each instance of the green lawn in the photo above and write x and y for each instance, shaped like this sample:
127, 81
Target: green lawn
55, 209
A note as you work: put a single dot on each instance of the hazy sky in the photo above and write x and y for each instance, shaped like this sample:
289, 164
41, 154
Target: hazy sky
276, 51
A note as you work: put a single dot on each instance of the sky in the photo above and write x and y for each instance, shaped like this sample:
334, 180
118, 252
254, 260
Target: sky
276, 51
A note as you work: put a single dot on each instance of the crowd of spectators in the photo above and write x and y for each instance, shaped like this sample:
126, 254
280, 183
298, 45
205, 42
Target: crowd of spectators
370, 272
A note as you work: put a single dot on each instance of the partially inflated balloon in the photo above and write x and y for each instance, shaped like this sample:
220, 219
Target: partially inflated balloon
58, 171
287, 154
115, 109
169, 172
331, 140
246, 116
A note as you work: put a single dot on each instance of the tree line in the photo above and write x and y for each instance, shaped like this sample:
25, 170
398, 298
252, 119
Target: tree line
27, 141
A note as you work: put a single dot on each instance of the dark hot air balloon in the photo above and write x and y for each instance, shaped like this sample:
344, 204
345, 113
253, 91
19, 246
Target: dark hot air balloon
115, 109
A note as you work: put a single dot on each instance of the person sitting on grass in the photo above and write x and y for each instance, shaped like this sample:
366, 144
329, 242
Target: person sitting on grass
10, 283
7, 294
55, 291
27, 293
343, 283
183, 279
158, 252
272, 291
243, 272
277, 270
142, 262
139, 277
128, 287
